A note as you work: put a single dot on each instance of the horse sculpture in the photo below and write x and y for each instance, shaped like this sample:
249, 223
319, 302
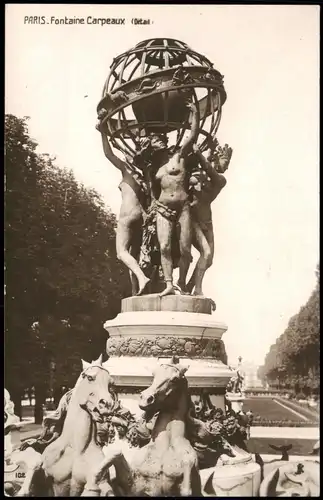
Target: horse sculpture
150, 445
168, 464
63, 468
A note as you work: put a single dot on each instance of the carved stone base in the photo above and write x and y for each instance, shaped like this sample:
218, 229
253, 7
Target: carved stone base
151, 329
179, 303
237, 481
130, 372
172, 323
162, 345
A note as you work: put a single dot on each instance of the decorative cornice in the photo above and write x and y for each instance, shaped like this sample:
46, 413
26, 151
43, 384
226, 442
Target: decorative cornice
172, 323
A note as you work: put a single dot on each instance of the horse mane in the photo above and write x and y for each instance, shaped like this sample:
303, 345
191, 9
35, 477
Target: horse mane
197, 429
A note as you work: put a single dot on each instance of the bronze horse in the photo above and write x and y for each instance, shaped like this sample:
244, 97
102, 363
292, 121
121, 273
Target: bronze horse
65, 465
168, 464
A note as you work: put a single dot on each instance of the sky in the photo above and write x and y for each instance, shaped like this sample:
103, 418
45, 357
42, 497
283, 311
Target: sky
266, 219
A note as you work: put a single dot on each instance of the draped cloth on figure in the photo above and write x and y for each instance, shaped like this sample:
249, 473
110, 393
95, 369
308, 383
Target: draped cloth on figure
150, 253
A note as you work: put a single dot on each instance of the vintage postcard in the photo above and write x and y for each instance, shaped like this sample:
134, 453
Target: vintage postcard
162, 266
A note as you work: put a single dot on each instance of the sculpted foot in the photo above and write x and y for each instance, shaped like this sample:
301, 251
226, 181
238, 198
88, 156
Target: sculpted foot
143, 286
169, 290
213, 304
198, 292
182, 288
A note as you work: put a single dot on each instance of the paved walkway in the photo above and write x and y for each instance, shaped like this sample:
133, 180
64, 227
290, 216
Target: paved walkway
285, 432
292, 458
31, 434
30, 429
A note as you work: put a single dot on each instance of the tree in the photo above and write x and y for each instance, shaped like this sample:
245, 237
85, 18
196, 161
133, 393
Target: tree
294, 361
60, 266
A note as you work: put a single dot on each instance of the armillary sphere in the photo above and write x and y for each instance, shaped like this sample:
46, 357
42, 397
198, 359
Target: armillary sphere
148, 89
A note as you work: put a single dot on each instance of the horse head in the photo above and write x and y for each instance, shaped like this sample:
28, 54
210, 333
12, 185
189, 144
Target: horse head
94, 390
168, 383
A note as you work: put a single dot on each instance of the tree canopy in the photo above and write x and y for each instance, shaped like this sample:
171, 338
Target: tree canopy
61, 273
294, 360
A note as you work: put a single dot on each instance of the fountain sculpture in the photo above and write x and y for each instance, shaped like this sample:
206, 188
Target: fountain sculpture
156, 418
158, 118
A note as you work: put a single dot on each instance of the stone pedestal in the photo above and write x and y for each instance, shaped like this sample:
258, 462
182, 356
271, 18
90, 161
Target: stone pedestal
150, 329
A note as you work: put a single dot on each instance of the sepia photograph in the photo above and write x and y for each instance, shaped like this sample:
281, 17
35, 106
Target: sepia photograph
161, 250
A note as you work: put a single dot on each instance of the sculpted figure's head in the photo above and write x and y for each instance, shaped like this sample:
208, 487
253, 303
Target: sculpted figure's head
149, 146
198, 180
158, 142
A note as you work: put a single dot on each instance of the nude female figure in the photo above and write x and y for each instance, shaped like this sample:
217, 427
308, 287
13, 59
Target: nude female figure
128, 234
172, 205
211, 184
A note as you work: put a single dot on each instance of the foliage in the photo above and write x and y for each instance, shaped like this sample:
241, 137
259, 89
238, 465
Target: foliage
267, 392
294, 360
62, 276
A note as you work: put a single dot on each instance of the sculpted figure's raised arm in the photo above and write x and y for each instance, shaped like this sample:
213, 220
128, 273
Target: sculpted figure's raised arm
172, 205
206, 185
191, 139
129, 229
109, 154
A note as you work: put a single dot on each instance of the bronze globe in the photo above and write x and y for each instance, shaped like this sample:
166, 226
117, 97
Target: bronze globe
147, 91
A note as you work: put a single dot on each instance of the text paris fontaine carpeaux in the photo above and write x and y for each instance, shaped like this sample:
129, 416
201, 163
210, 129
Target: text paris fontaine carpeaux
87, 20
